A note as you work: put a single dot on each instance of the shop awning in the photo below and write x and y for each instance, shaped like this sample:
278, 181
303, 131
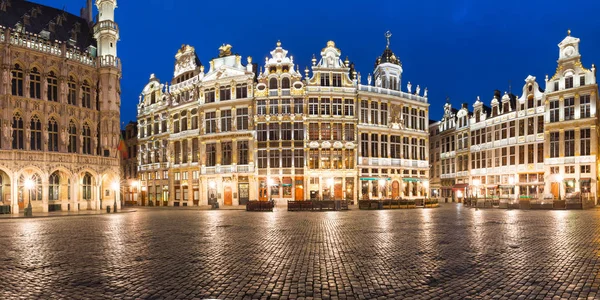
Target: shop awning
530, 183
411, 179
373, 178
507, 186
460, 186
585, 180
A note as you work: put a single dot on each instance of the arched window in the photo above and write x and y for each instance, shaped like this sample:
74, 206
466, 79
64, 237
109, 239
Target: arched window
35, 141
87, 139
52, 92
153, 98
273, 83
17, 81
72, 137
176, 123
86, 97
52, 135
86, 186
72, 95
285, 83
54, 187
184, 124
17, 133
530, 102
35, 84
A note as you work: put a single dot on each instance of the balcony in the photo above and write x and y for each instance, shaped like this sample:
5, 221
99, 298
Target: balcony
106, 25
378, 90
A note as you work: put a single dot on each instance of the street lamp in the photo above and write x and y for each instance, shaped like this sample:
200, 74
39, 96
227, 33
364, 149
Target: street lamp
115, 186
29, 185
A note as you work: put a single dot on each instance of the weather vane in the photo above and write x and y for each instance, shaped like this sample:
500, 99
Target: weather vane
388, 35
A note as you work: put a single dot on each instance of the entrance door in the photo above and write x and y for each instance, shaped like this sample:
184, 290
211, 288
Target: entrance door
337, 192
244, 193
395, 190
299, 196
555, 189
228, 199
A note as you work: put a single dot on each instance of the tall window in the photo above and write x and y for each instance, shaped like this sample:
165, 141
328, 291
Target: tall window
262, 159
554, 144
274, 159
285, 83
374, 145
337, 80
87, 139
211, 122
584, 106
195, 150
530, 124
530, 154
241, 91
348, 107
286, 106
17, 81
261, 132
35, 84
299, 158
274, 132
242, 118
569, 109
585, 139
194, 121
273, 107
52, 92
375, 113
540, 152
521, 155
298, 106
325, 79
72, 138
184, 123
52, 135
325, 131
349, 132
313, 106
53, 187
225, 120
337, 131
337, 107
384, 146
86, 97
184, 152
209, 95
261, 107
242, 148
384, 115
35, 140
540, 125
396, 146
224, 93
364, 144
273, 84
313, 158
286, 158
177, 146
569, 142
325, 106
226, 156
87, 187
298, 131
286, 131
211, 155
569, 82
364, 111
554, 111
17, 127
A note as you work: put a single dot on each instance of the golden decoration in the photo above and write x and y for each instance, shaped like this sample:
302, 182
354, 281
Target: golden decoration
225, 50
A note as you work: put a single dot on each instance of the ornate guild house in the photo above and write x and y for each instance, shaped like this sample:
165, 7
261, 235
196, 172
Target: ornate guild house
60, 101
232, 132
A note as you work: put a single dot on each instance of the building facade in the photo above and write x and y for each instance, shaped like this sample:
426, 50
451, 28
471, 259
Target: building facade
60, 95
129, 177
540, 145
240, 132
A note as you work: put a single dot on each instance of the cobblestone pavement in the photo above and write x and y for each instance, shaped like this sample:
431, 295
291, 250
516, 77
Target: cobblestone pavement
450, 253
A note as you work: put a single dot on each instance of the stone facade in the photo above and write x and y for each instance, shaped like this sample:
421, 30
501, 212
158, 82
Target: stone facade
60, 100
237, 133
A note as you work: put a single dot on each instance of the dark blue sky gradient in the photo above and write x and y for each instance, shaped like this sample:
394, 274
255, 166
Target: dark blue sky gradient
456, 48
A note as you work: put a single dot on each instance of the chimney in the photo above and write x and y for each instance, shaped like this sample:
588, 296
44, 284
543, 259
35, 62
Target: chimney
89, 10
497, 94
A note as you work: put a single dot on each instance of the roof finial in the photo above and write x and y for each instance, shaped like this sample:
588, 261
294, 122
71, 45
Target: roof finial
278, 43
388, 35
569, 32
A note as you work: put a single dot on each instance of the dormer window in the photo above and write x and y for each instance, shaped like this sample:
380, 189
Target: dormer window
569, 82
325, 80
337, 80
273, 84
556, 86
506, 107
495, 111
285, 83
530, 101
477, 116
582, 80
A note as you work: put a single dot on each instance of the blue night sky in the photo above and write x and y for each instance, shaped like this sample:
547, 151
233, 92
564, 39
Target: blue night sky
456, 48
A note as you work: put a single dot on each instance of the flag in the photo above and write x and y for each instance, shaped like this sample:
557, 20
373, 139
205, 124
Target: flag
122, 148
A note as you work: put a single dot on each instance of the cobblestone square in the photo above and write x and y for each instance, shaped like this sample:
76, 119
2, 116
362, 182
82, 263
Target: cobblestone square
450, 253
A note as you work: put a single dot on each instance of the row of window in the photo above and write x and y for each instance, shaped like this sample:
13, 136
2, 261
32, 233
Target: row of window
276, 106
51, 87
34, 135
375, 145
286, 158
569, 143
54, 183
569, 108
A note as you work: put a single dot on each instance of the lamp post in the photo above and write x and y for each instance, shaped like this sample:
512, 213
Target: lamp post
29, 185
115, 186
